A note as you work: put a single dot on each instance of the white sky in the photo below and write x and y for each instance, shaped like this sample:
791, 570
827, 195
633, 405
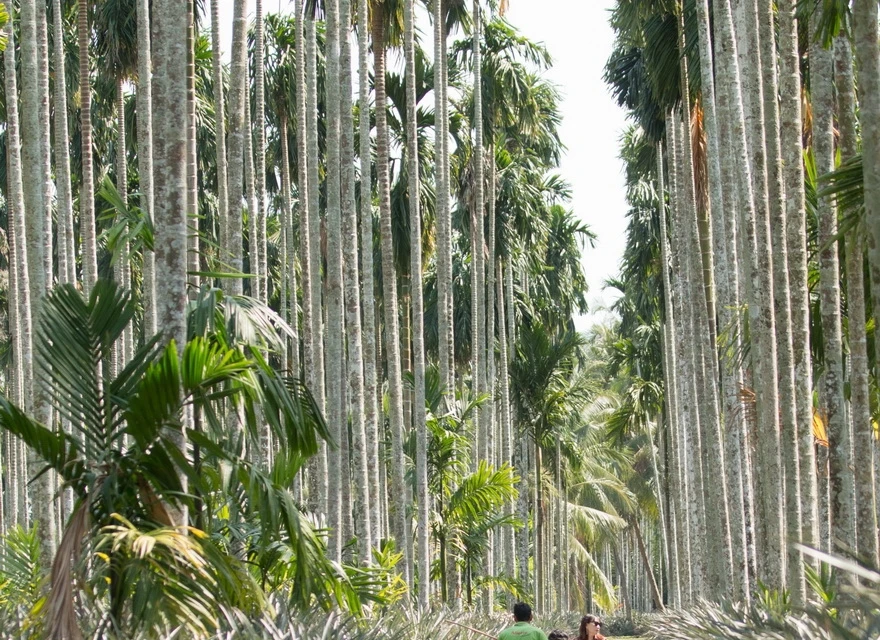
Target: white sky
578, 36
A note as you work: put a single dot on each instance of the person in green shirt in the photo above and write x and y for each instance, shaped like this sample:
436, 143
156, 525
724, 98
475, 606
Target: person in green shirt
522, 628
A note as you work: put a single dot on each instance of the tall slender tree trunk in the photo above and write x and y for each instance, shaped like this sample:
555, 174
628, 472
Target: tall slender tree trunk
169, 134
389, 297
220, 130
236, 152
862, 430
371, 407
355, 368
335, 319
423, 564
250, 193
66, 251
865, 36
749, 152
781, 297
442, 211
123, 264
832, 395
192, 171
87, 186
260, 152
800, 463
316, 331
38, 232
18, 261
144, 105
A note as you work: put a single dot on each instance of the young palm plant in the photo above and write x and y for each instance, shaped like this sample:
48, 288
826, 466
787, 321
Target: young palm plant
121, 556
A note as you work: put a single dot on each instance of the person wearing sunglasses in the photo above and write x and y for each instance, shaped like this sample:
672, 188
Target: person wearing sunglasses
590, 626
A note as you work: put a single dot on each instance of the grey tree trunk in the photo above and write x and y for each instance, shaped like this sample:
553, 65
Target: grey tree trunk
192, 171
260, 152
220, 129
169, 135
123, 265
20, 277
316, 331
87, 186
832, 395
397, 509
754, 206
442, 211
371, 401
862, 431
144, 107
801, 460
335, 319
865, 37
38, 232
423, 563
355, 369
236, 141
66, 251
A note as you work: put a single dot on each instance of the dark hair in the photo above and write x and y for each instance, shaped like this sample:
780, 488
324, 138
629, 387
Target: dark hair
522, 612
584, 622
556, 634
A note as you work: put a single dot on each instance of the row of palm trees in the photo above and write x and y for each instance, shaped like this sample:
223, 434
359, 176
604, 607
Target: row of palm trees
752, 223
422, 287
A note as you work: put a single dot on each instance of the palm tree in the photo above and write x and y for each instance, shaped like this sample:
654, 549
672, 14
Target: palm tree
87, 184
66, 251
832, 397
220, 130
20, 311
397, 515
145, 147
169, 135
235, 177
371, 384
801, 457
260, 154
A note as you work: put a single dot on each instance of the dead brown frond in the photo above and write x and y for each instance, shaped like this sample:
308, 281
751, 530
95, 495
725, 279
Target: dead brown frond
154, 505
700, 158
61, 605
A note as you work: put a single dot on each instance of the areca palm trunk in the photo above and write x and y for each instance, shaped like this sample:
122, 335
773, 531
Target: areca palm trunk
717, 499
219, 129
832, 396
250, 192
363, 496
316, 330
144, 107
169, 134
442, 210
38, 232
260, 153
192, 176
333, 291
66, 252
800, 461
123, 268
478, 337
397, 509
371, 385
749, 152
87, 185
423, 563
288, 263
690, 358
781, 297
865, 36
236, 151
507, 533
18, 261
862, 431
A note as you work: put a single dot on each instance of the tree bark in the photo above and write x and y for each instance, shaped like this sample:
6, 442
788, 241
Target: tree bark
144, 105
832, 394
389, 298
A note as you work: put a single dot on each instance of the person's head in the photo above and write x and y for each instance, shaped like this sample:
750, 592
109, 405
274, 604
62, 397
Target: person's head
590, 625
556, 634
522, 612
